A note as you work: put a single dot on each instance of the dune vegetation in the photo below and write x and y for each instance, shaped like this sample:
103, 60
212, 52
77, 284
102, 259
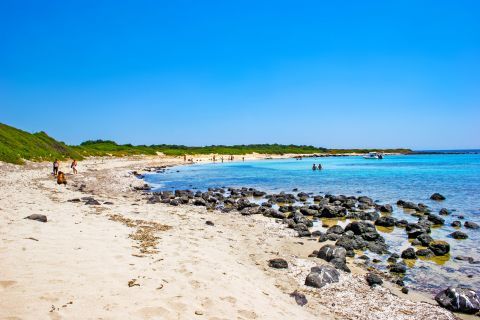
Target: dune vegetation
17, 145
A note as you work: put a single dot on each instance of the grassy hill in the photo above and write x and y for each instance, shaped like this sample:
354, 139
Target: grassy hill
17, 145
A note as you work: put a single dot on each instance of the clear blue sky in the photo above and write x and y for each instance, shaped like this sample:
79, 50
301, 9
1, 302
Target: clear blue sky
326, 73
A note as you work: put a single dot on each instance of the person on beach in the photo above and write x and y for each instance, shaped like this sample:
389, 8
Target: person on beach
214, 159
74, 166
55, 167
243, 159
184, 157
314, 167
222, 159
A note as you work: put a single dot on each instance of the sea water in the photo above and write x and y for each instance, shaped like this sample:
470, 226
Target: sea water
407, 177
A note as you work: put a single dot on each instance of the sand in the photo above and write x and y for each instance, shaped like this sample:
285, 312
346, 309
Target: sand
133, 260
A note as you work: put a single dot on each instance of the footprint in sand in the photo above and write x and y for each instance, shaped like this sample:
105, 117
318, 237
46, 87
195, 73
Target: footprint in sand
247, 314
229, 299
195, 284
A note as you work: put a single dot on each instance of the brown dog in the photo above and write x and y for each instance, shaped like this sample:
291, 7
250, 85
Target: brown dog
61, 178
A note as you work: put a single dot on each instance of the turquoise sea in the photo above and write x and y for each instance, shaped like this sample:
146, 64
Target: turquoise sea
408, 177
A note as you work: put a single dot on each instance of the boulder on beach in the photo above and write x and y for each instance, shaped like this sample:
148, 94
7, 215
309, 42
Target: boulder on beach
330, 251
373, 279
321, 276
458, 299
278, 263
37, 217
437, 196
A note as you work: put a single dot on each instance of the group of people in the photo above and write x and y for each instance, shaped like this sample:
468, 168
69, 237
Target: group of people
56, 166
317, 167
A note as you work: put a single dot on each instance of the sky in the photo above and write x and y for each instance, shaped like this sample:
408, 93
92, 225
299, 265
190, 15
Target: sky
336, 74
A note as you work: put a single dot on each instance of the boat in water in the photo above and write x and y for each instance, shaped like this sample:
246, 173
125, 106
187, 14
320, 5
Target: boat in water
373, 155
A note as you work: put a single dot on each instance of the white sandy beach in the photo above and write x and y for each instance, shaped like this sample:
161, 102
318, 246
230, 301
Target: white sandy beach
133, 260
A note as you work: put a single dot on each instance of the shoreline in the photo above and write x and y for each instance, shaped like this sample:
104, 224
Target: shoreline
181, 255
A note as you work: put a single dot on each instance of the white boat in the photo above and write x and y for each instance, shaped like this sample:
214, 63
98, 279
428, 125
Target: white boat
373, 155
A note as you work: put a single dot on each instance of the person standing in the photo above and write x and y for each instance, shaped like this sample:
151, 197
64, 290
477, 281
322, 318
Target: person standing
74, 166
314, 167
56, 164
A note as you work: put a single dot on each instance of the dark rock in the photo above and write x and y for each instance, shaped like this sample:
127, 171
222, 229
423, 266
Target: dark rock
405, 290
385, 221
37, 217
409, 254
366, 200
333, 236
471, 225
427, 253
360, 227
459, 235
459, 299
401, 223
373, 279
351, 242
322, 275
393, 258
386, 208
278, 263
439, 248
335, 229
174, 202
333, 212
209, 223
436, 220
317, 233
424, 239
74, 200
340, 264
300, 298
322, 237
199, 202
437, 196
456, 224
398, 268
465, 258
329, 252
410, 206
444, 212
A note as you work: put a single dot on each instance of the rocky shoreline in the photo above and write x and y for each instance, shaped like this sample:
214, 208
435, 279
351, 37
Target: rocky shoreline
299, 211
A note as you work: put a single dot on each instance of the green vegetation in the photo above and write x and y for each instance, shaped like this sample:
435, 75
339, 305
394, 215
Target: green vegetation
17, 145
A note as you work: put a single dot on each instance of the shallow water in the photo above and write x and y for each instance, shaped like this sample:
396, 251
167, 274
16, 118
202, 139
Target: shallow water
413, 178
